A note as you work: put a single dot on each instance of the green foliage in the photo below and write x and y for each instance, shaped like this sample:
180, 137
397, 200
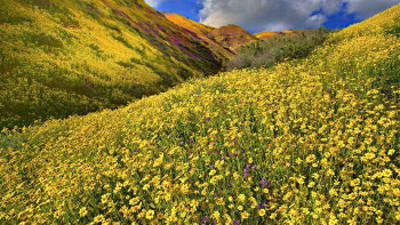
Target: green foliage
125, 64
11, 18
277, 49
394, 31
123, 41
113, 27
43, 39
42, 4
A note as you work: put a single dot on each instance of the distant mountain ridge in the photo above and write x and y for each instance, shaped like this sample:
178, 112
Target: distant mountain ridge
226, 40
229, 38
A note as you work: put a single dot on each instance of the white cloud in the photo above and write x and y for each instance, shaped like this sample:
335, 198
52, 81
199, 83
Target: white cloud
154, 3
275, 15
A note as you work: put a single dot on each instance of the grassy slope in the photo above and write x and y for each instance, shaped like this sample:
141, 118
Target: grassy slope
59, 58
313, 141
201, 32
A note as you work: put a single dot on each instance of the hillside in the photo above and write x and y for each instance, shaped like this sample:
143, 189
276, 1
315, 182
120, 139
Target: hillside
59, 58
309, 141
266, 35
200, 33
232, 37
279, 47
189, 24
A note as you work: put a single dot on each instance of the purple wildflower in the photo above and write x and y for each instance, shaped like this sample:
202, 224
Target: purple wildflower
263, 181
208, 118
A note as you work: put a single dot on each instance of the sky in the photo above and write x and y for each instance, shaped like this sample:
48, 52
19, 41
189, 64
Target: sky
275, 15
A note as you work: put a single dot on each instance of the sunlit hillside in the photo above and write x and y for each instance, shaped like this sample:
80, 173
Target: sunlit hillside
232, 37
266, 34
59, 58
309, 141
201, 33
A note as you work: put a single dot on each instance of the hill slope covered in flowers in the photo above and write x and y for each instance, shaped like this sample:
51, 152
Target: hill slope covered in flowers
201, 32
310, 141
59, 58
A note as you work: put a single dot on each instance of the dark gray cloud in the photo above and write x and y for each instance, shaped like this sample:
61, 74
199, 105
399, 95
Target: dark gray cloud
276, 15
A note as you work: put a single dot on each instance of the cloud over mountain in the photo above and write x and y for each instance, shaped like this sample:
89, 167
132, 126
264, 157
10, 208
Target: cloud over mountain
284, 14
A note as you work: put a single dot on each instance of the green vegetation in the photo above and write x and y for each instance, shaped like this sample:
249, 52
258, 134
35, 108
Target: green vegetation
278, 48
395, 31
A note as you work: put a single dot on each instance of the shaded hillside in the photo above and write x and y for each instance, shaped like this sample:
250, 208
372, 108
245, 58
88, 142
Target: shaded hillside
277, 48
232, 37
200, 33
59, 58
310, 141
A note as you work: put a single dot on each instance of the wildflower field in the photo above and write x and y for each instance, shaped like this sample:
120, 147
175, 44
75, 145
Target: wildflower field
60, 58
307, 141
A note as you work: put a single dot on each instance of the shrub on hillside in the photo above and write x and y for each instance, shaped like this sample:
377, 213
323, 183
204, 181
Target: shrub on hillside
276, 49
